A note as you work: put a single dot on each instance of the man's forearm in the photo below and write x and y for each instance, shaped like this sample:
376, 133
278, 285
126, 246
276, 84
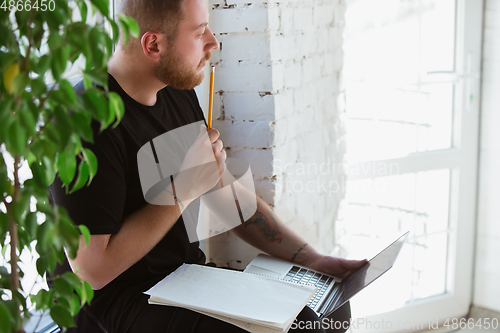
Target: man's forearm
267, 232
107, 256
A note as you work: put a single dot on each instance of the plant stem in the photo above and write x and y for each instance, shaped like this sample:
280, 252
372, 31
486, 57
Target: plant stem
14, 272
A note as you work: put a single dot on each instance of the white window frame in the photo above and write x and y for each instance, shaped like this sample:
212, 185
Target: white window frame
462, 160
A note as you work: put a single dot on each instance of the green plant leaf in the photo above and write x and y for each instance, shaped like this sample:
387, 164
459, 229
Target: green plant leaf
18, 208
14, 312
60, 58
62, 316
125, 28
20, 83
31, 224
23, 238
82, 123
89, 291
63, 287
76, 143
83, 177
91, 161
41, 299
72, 279
6, 107
54, 19
83, 10
69, 92
71, 236
50, 171
17, 137
74, 304
99, 77
22, 18
66, 165
38, 86
77, 36
116, 106
55, 40
6, 118
16, 295
62, 115
53, 253
37, 31
85, 233
5, 318
43, 64
133, 27
49, 149
42, 264
3, 177
102, 5
44, 207
116, 31
4, 225
39, 175
95, 38
27, 120
96, 101
44, 235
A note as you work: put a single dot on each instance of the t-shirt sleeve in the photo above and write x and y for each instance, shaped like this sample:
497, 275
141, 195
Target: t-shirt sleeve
100, 205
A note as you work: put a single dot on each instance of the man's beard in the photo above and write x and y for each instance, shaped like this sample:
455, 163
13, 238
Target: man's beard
173, 72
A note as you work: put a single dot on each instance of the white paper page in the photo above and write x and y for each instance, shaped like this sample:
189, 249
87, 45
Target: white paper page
234, 294
254, 328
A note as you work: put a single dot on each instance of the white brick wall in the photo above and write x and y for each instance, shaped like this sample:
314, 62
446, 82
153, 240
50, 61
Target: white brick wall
487, 270
277, 83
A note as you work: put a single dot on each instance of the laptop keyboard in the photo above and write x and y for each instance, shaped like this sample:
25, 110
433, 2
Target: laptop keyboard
304, 276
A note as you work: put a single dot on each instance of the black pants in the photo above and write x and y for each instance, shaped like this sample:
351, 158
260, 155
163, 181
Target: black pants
165, 319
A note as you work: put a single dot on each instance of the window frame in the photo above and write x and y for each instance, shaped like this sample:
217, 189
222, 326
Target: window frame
462, 160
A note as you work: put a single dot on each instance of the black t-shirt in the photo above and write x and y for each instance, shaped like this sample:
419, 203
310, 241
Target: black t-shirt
115, 193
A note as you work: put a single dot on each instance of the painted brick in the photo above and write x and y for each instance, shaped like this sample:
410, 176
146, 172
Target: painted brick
244, 77
260, 160
303, 18
249, 106
238, 134
293, 75
286, 22
264, 189
251, 48
279, 76
236, 19
283, 74
324, 15
274, 17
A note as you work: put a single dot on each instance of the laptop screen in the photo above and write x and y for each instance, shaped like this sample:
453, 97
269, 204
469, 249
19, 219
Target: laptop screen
369, 272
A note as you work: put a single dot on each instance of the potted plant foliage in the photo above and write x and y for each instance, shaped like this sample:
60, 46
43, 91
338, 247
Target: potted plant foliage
42, 126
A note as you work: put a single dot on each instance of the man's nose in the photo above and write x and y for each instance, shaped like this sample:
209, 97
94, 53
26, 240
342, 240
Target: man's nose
214, 43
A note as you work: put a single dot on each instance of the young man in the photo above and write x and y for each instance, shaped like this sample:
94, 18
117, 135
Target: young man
135, 244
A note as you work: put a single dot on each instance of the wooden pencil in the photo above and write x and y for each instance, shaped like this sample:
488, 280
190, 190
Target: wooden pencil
211, 98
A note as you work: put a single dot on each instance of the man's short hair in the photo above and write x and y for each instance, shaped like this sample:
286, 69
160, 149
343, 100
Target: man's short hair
162, 16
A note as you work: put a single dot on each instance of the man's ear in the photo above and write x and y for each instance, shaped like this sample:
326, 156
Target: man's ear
150, 43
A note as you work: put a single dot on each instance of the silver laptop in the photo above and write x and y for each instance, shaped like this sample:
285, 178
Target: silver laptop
332, 292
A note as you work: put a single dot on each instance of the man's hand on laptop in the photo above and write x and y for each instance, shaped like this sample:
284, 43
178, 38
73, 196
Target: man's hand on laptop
338, 267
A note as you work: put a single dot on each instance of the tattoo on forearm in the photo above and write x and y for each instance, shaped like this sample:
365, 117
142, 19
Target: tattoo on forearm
268, 227
296, 253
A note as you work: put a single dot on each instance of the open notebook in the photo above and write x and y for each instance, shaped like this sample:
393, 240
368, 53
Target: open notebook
254, 303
